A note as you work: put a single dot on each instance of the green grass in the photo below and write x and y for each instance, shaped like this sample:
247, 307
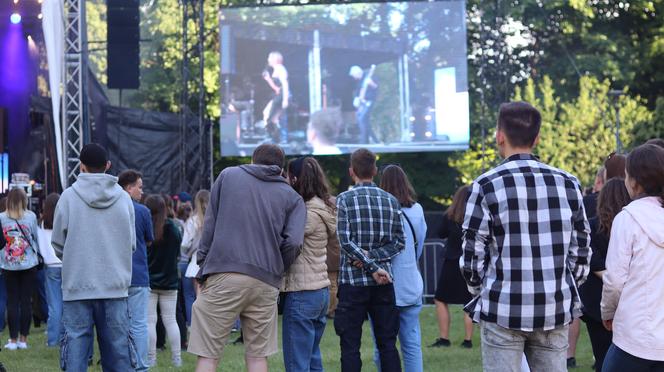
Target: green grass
39, 358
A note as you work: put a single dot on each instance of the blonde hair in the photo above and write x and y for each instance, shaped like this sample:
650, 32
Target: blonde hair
276, 55
17, 203
201, 201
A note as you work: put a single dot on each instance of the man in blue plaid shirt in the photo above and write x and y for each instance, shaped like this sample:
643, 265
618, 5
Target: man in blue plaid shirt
526, 250
370, 235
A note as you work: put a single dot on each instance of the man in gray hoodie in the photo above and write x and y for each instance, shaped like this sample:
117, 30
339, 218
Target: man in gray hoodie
252, 232
94, 235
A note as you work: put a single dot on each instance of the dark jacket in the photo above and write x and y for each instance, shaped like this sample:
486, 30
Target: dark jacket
163, 257
254, 224
451, 231
590, 204
591, 290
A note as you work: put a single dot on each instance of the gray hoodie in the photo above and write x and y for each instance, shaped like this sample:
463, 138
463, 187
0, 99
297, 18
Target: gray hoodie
94, 235
254, 224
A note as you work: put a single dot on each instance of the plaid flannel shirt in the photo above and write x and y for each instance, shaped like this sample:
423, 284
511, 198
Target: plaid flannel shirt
369, 220
526, 245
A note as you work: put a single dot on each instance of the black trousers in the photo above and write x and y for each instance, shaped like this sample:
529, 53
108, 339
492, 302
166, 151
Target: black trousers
20, 286
355, 303
600, 340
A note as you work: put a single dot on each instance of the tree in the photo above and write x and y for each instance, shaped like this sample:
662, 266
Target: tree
576, 135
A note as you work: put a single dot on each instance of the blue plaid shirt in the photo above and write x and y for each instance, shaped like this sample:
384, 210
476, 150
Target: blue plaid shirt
368, 220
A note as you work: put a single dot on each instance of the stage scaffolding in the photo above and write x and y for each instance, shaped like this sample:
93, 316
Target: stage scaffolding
75, 99
193, 123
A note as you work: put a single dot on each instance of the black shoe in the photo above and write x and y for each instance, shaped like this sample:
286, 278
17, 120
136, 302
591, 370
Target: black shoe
468, 344
441, 342
571, 362
239, 340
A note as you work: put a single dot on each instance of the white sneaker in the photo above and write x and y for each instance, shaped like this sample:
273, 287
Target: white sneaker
177, 362
22, 345
11, 346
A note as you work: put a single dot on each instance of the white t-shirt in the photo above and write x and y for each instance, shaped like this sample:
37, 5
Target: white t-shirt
46, 249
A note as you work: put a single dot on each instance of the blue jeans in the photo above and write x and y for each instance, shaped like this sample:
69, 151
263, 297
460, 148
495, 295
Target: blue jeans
410, 338
111, 318
618, 360
138, 324
303, 325
3, 301
188, 291
54, 327
41, 291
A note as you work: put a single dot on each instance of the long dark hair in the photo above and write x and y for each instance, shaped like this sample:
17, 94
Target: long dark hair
157, 207
308, 179
645, 165
611, 200
457, 210
395, 181
48, 210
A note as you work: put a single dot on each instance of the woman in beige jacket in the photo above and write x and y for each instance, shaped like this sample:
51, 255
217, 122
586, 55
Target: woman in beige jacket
306, 282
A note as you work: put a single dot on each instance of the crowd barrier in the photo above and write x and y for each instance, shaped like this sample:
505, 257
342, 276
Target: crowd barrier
431, 263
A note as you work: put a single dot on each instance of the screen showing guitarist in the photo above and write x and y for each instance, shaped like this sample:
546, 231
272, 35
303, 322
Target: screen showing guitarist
365, 96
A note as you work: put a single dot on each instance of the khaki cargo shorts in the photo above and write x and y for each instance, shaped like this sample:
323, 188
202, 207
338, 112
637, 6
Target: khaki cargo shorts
225, 297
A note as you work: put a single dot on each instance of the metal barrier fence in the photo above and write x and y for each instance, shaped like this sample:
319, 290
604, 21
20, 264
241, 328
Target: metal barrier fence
431, 264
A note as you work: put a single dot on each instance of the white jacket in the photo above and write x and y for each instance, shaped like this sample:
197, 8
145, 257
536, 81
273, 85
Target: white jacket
633, 294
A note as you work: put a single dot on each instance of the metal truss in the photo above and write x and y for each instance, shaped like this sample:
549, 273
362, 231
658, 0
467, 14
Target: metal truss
74, 113
195, 147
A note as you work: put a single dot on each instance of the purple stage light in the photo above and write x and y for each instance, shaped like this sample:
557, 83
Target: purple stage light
15, 18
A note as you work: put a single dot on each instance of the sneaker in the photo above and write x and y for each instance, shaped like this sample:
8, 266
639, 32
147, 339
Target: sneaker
22, 345
441, 342
152, 362
177, 362
571, 362
11, 345
468, 344
239, 340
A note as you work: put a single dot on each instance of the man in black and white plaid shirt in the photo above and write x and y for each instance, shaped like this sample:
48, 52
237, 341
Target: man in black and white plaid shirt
370, 235
526, 250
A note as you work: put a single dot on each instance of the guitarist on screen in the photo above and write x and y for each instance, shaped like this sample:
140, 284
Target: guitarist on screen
366, 93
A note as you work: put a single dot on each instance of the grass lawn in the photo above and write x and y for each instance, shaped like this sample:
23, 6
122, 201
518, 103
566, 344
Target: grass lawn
39, 358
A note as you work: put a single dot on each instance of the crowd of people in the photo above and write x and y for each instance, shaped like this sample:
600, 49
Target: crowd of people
527, 254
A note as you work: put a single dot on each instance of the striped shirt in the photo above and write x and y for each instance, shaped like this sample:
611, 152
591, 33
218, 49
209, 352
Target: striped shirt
526, 245
368, 220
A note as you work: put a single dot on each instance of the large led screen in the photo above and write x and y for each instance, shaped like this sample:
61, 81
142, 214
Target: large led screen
328, 79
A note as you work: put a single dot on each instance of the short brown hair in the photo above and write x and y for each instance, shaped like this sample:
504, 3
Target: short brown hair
269, 154
457, 210
395, 181
129, 177
645, 165
363, 163
657, 142
520, 122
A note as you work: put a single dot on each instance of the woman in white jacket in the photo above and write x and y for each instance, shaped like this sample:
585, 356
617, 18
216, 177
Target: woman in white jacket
193, 229
633, 293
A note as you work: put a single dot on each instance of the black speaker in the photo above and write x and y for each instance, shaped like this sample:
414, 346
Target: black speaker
122, 47
227, 51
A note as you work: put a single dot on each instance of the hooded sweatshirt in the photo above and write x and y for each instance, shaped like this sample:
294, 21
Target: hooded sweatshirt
633, 295
94, 235
254, 224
